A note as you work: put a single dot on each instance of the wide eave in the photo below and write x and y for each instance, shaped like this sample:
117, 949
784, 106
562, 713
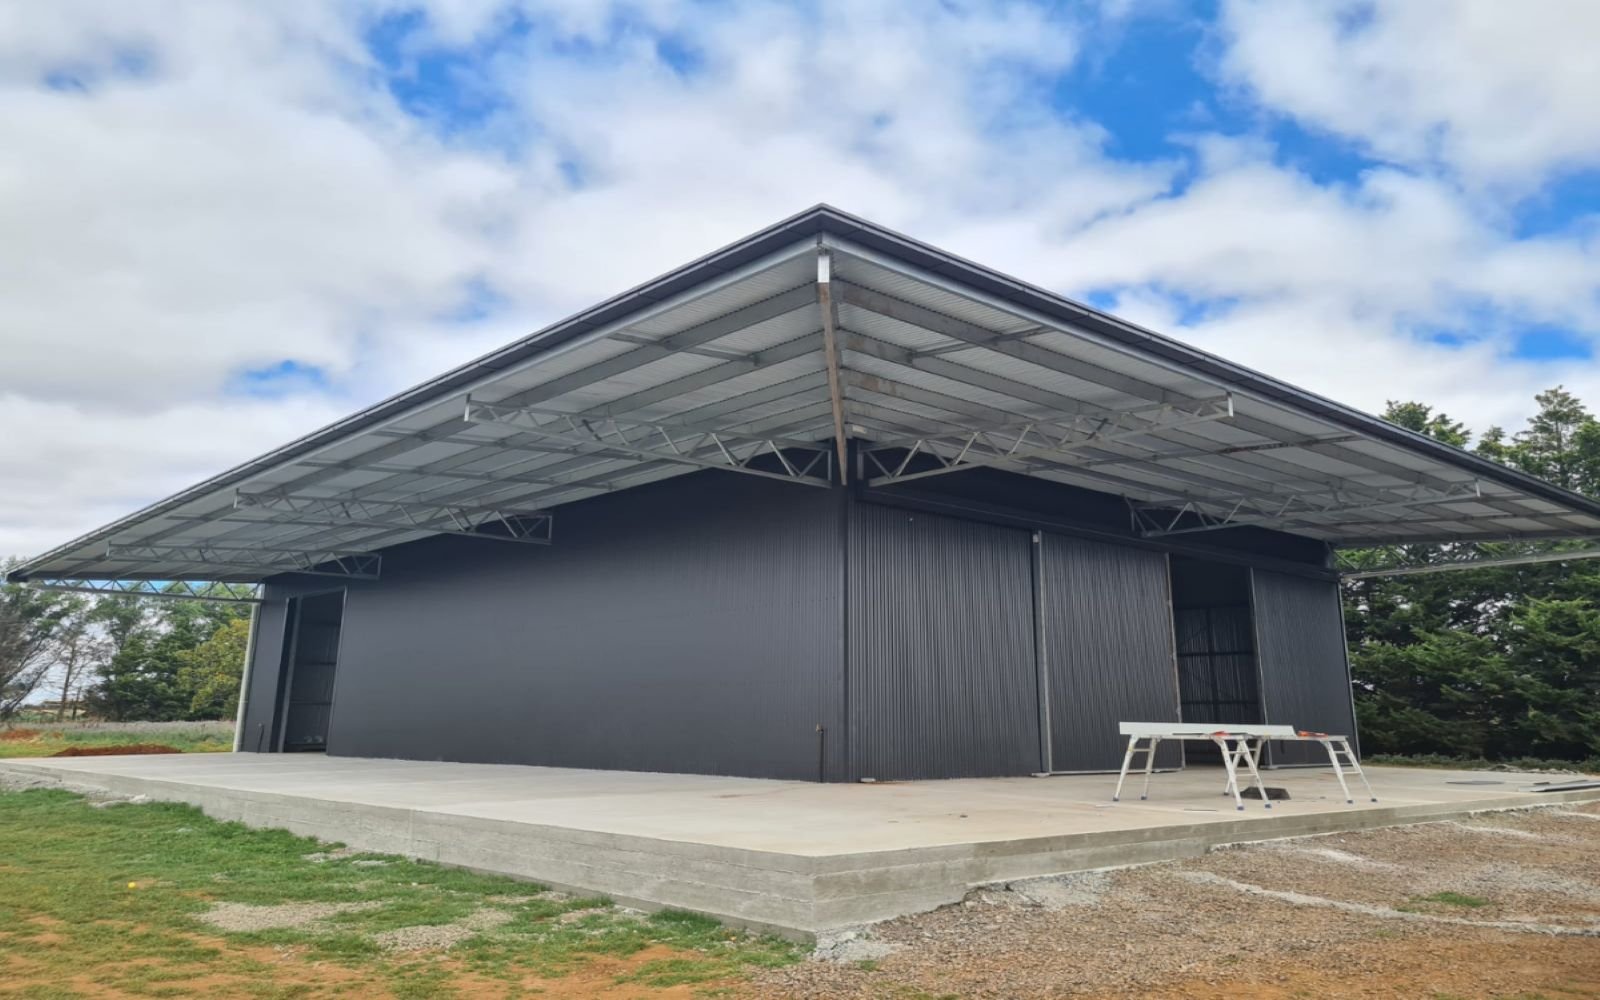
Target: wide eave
936, 365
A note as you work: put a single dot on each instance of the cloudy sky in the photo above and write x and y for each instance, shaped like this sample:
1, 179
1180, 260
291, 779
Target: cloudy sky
224, 224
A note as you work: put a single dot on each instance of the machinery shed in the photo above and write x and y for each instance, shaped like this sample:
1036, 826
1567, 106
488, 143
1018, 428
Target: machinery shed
827, 504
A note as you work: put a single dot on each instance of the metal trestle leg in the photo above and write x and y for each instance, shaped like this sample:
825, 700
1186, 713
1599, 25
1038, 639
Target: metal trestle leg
1344, 762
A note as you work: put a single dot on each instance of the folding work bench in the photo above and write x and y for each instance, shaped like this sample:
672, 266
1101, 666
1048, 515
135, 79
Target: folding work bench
1241, 748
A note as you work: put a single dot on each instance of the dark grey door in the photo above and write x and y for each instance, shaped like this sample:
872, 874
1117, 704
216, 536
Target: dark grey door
1305, 679
942, 680
1107, 629
314, 657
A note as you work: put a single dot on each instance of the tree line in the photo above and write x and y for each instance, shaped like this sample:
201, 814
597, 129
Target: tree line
1493, 662
119, 658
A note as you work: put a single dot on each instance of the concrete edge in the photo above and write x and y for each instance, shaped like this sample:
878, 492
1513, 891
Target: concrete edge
746, 888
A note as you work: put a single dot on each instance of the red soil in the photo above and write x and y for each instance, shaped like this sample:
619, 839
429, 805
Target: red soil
108, 751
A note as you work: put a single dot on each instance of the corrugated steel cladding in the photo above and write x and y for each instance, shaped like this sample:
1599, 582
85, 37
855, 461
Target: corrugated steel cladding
1108, 648
712, 623
942, 679
1300, 647
655, 635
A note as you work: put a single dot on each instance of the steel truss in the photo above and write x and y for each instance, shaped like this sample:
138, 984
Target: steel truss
310, 562
1409, 560
180, 590
531, 526
1283, 510
800, 461
1059, 440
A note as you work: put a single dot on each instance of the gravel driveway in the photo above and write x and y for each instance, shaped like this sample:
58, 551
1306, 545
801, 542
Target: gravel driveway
1503, 904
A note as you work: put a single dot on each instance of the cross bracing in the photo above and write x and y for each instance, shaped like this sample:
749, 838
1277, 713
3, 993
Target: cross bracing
311, 562
702, 447
435, 518
1283, 511
183, 590
824, 331
1062, 440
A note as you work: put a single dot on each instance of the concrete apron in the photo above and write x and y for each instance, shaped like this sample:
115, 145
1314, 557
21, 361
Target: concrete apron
796, 895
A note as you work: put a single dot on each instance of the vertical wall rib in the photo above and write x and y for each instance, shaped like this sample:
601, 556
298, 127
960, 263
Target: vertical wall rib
1108, 636
941, 656
1305, 680
691, 625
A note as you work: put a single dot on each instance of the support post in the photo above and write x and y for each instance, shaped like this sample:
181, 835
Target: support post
830, 350
244, 676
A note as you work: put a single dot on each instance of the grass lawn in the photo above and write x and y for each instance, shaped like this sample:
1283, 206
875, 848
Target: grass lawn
27, 741
158, 900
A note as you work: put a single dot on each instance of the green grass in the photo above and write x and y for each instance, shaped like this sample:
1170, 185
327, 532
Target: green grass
22, 741
1449, 898
69, 916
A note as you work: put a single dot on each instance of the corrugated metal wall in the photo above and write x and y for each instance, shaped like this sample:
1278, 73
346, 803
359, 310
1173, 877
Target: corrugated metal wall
1300, 645
694, 625
699, 625
1107, 626
942, 678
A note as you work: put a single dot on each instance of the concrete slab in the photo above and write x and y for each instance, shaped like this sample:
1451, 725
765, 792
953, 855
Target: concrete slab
794, 857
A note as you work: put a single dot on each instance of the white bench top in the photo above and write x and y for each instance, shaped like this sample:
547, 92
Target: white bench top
1203, 730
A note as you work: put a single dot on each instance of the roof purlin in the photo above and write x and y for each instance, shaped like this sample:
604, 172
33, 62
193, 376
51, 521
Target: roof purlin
785, 235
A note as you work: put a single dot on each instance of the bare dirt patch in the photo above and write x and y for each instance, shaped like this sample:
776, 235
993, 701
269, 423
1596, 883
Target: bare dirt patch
244, 917
437, 937
113, 751
1510, 909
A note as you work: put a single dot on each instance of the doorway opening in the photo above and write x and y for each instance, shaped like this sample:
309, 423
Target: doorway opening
310, 658
1214, 628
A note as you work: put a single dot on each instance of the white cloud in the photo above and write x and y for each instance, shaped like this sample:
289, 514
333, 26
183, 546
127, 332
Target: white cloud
1500, 92
69, 467
234, 186
1393, 247
1343, 289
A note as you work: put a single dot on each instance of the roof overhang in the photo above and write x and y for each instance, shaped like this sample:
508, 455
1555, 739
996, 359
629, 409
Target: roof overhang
763, 359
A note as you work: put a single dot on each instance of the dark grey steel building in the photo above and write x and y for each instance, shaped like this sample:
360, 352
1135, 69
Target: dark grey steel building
826, 504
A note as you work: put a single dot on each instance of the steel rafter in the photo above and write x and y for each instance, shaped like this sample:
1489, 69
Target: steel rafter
1060, 440
800, 461
581, 481
181, 590
310, 562
1017, 345
497, 523
830, 350
1281, 510
799, 297
1250, 463
1409, 560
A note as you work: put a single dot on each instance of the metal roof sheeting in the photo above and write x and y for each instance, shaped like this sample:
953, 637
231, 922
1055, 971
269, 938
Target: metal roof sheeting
929, 345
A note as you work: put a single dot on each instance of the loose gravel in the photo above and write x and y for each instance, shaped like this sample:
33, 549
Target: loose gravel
245, 917
437, 937
1336, 915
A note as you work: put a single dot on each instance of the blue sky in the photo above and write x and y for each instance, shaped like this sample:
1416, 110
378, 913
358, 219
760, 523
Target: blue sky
228, 223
